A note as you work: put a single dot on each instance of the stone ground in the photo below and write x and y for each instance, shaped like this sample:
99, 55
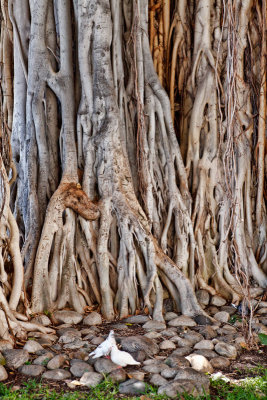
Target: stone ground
178, 355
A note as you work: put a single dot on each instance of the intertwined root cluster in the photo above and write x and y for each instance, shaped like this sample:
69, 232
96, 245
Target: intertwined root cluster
91, 222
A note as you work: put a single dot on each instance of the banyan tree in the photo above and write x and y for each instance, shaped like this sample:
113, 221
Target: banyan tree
133, 155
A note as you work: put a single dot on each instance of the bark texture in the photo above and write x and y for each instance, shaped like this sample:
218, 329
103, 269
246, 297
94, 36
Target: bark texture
218, 103
104, 206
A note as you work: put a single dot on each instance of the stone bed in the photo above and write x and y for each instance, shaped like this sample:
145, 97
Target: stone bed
175, 356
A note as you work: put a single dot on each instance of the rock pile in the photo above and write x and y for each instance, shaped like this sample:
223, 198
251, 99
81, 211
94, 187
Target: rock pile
175, 356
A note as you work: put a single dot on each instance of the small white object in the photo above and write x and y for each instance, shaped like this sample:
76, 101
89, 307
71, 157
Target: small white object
122, 358
200, 363
219, 375
105, 347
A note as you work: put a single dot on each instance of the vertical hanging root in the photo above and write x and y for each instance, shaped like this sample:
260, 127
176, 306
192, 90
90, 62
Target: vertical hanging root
158, 268
17, 283
12, 323
262, 118
103, 260
67, 195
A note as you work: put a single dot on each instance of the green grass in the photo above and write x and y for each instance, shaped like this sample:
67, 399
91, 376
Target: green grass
249, 389
235, 318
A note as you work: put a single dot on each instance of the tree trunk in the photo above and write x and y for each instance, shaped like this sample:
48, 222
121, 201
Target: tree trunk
109, 211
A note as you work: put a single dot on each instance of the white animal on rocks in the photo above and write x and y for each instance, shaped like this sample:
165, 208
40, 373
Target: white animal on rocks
104, 348
121, 358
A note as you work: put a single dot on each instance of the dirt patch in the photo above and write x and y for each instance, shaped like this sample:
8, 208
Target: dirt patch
248, 363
